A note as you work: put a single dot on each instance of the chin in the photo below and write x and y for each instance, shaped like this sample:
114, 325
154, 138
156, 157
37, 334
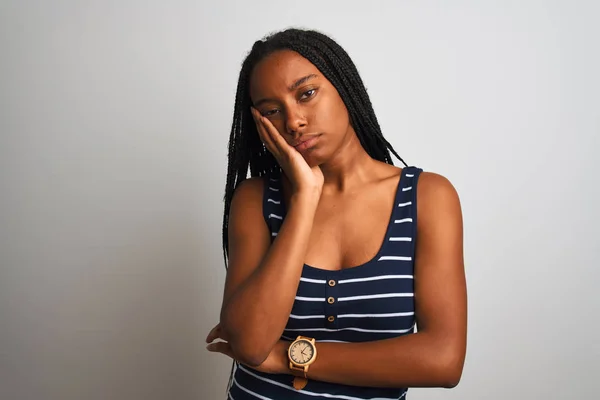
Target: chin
313, 159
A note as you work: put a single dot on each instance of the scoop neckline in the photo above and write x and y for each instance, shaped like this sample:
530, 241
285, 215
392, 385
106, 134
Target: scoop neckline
322, 271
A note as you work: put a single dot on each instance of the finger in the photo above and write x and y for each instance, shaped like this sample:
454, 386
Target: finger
265, 135
281, 146
220, 347
262, 131
214, 333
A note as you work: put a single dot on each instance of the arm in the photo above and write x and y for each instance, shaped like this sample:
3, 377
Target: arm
262, 279
435, 355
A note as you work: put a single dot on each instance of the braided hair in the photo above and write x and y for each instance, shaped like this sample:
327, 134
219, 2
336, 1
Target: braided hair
245, 147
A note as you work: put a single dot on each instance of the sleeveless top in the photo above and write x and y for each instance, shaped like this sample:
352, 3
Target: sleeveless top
369, 302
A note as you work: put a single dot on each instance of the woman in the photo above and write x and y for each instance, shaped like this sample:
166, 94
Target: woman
330, 272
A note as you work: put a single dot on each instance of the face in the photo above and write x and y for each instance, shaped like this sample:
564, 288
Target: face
302, 104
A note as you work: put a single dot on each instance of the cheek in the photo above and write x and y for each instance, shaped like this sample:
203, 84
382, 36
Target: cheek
332, 117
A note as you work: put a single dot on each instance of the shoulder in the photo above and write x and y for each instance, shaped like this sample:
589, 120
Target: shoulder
437, 199
247, 200
250, 189
434, 185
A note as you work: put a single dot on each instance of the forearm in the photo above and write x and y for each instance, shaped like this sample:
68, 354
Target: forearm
256, 314
415, 360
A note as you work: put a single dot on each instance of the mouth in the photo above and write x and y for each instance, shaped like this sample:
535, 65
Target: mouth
307, 143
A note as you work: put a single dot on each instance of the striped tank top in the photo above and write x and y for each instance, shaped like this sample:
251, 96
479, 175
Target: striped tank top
369, 302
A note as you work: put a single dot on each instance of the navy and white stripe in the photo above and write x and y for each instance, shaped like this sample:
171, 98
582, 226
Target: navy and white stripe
369, 302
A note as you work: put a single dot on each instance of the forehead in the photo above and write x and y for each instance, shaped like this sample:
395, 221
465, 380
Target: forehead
278, 71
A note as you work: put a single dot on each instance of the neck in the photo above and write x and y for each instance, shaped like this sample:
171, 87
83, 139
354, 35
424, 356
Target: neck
350, 166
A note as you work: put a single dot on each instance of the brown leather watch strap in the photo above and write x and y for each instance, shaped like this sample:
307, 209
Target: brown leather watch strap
298, 371
300, 382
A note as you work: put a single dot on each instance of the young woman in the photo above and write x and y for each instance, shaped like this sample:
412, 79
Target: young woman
345, 274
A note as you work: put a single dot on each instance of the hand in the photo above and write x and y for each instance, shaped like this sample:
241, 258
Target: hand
302, 176
220, 346
275, 363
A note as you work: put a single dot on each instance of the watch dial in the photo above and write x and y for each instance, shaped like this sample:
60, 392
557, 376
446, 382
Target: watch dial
302, 352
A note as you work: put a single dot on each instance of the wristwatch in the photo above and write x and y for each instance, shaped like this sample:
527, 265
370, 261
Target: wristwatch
301, 354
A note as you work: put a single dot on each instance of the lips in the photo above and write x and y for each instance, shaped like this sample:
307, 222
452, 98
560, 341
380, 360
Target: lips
306, 143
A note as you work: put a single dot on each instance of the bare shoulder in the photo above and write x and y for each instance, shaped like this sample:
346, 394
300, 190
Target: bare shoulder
439, 213
250, 189
434, 182
436, 195
246, 222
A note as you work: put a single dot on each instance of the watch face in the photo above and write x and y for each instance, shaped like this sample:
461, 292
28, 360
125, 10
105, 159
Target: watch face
302, 351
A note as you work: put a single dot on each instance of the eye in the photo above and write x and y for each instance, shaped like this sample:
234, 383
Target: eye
269, 113
310, 94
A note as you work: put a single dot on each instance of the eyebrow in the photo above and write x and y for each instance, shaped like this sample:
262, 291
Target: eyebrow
301, 81
292, 87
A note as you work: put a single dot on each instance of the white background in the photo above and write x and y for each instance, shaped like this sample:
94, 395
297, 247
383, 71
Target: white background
114, 122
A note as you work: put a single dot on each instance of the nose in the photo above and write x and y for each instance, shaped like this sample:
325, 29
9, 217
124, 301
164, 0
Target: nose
295, 122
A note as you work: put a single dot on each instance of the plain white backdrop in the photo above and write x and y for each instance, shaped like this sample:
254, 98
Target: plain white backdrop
114, 122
